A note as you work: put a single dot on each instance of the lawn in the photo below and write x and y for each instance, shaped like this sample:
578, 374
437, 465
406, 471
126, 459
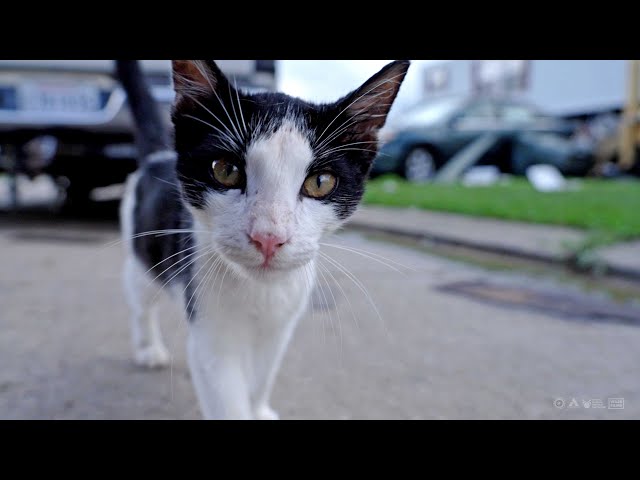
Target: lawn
606, 208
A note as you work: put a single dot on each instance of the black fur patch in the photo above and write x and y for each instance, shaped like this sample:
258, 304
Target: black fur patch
159, 207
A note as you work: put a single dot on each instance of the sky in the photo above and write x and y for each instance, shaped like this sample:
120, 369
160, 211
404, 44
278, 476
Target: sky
328, 80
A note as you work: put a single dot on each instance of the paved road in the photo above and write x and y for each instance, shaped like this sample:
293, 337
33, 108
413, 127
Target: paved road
64, 343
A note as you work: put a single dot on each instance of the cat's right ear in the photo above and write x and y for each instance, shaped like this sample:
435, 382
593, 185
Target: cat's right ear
195, 79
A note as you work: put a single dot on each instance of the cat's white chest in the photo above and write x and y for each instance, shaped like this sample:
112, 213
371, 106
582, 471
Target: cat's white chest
244, 326
229, 299
243, 315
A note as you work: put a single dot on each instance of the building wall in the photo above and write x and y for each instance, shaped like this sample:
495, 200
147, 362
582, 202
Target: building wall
567, 87
562, 87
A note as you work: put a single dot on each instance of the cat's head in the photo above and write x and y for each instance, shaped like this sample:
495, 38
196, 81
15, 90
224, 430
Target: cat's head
267, 175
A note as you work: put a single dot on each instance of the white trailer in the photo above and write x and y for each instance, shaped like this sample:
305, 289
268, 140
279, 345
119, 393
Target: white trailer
569, 88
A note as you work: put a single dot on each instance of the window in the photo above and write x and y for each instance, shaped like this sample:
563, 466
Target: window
516, 114
482, 110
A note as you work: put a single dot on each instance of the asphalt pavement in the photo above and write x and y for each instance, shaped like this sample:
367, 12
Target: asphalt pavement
445, 340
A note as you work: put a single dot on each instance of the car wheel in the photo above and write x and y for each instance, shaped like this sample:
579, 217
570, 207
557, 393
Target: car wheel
419, 165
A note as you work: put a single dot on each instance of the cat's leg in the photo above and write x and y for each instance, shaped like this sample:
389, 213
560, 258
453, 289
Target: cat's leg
270, 350
148, 348
270, 356
219, 378
267, 360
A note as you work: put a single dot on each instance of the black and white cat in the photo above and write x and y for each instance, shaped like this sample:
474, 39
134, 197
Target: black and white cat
230, 218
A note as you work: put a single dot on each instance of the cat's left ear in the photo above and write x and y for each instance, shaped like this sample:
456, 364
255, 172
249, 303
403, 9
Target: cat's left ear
369, 105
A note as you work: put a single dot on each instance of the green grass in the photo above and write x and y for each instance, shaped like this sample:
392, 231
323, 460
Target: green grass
608, 209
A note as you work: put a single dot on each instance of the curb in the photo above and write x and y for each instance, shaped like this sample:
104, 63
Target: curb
565, 261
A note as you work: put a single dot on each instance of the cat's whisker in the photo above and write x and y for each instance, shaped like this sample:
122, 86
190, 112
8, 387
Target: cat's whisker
337, 132
203, 280
309, 283
211, 287
337, 310
346, 297
326, 311
348, 123
171, 256
158, 233
202, 288
185, 257
358, 283
214, 91
347, 148
231, 143
183, 268
372, 256
344, 127
226, 269
354, 150
167, 182
229, 134
339, 148
375, 142
388, 80
244, 123
235, 115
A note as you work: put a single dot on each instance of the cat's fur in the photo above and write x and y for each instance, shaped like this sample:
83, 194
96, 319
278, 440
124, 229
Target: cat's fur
242, 260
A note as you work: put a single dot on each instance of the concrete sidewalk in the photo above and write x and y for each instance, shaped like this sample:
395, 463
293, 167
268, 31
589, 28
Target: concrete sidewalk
547, 243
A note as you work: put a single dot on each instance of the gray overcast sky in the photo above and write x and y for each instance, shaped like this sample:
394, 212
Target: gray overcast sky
328, 80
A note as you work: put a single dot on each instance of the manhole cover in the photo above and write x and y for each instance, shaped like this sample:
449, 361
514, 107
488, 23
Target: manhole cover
567, 305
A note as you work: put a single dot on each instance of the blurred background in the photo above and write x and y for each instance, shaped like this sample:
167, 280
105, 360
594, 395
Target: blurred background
493, 270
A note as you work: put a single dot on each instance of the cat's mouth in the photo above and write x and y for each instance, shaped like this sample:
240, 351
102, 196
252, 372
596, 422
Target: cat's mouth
268, 267
277, 265
268, 272
264, 267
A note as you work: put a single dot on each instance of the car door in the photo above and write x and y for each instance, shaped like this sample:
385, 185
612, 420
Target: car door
470, 123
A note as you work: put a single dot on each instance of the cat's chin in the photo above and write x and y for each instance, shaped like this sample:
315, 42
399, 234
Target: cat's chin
267, 274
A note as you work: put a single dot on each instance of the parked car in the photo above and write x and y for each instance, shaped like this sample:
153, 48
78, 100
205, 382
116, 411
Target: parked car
429, 135
70, 119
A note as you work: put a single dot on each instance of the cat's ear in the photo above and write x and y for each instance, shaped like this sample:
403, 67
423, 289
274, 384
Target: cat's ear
193, 79
368, 106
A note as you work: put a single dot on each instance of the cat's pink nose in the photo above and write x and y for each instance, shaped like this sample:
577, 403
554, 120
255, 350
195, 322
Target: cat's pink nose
267, 243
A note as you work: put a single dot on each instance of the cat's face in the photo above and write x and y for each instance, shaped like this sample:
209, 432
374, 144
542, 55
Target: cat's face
267, 175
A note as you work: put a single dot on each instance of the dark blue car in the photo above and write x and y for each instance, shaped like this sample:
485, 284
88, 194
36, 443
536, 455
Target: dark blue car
429, 135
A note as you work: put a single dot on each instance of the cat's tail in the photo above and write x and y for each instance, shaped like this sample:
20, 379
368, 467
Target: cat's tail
152, 134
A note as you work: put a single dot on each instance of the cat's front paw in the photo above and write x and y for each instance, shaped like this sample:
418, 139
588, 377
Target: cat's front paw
265, 413
153, 356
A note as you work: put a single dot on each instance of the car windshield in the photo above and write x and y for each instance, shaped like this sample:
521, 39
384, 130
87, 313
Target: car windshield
430, 113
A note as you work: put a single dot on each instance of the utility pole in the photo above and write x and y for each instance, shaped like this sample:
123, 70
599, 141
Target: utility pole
630, 120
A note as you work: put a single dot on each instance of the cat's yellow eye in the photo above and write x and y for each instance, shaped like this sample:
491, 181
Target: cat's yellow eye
226, 173
319, 185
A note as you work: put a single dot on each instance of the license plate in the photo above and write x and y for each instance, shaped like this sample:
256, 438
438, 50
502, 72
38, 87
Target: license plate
58, 98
